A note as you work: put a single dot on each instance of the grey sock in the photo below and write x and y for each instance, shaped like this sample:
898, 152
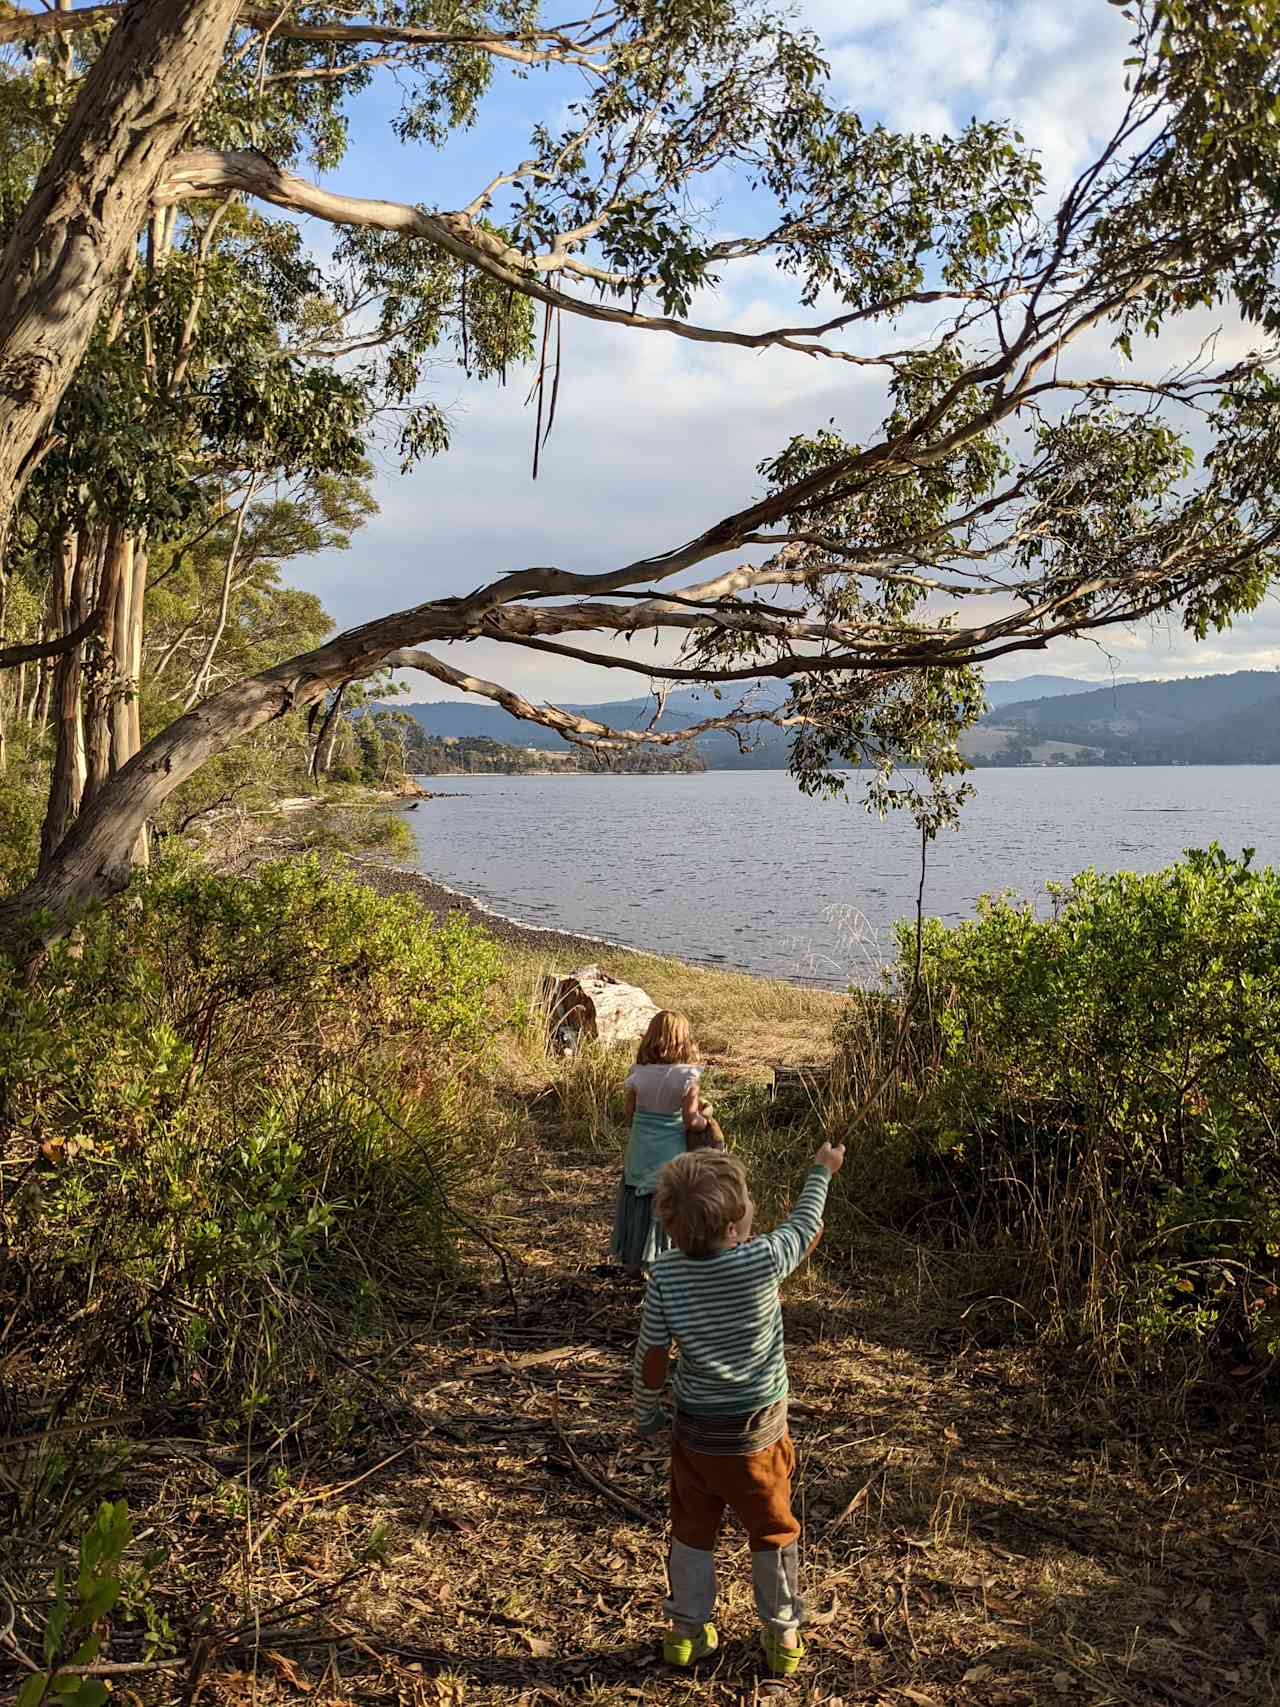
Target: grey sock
775, 1578
691, 1575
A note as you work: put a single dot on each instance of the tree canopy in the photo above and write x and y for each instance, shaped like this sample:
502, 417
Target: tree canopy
1032, 477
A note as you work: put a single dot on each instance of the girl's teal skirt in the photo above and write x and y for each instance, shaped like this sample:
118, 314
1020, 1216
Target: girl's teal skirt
637, 1237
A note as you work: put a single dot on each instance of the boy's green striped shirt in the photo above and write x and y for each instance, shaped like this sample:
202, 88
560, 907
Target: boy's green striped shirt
724, 1313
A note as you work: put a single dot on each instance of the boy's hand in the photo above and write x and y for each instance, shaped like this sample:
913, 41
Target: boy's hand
831, 1157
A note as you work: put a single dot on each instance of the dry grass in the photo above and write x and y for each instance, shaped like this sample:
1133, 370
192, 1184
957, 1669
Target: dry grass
743, 1025
972, 1537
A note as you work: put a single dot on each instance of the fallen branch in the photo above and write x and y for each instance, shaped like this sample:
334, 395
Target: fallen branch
600, 1483
59, 1429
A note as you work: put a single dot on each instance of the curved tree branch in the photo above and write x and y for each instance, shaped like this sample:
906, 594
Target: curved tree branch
208, 172
583, 731
12, 656
525, 47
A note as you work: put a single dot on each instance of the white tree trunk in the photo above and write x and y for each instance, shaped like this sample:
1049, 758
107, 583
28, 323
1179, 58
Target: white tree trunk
66, 785
201, 681
71, 247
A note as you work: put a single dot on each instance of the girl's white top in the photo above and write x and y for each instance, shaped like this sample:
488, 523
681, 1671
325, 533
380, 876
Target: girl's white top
661, 1089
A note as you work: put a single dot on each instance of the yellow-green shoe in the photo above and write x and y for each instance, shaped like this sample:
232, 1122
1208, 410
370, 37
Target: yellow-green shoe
684, 1650
782, 1662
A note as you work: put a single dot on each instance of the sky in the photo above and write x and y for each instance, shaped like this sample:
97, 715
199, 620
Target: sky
656, 437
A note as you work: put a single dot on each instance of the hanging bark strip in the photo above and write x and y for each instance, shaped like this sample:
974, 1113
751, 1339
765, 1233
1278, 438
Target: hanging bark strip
555, 383
506, 334
466, 356
539, 386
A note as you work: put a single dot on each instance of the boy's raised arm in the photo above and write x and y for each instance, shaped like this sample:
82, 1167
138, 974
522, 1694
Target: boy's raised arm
649, 1374
799, 1233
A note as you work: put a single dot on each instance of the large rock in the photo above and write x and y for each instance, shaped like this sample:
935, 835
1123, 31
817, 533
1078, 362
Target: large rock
588, 1003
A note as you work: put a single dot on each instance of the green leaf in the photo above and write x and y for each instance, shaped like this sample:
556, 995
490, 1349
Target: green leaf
32, 1690
100, 1600
54, 1630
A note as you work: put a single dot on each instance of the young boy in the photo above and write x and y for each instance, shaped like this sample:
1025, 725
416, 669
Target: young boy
716, 1296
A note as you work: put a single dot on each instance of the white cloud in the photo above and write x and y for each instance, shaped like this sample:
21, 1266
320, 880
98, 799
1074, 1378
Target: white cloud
1054, 71
656, 437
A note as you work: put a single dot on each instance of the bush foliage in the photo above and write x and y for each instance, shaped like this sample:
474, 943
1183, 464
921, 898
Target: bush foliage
1096, 1093
232, 1112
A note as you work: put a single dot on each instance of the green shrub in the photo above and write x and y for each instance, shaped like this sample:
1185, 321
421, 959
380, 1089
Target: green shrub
1099, 1096
236, 1104
24, 787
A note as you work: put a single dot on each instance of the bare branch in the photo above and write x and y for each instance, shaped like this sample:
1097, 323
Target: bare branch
581, 730
12, 656
524, 47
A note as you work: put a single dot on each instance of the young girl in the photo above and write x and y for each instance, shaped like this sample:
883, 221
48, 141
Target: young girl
662, 1108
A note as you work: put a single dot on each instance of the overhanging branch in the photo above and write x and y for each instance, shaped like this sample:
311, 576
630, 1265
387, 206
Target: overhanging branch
37, 650
583, 731
210, 172
525, 47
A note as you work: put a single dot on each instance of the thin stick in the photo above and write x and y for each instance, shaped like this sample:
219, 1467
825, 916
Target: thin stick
589, 1476
345, 1487
67, 1428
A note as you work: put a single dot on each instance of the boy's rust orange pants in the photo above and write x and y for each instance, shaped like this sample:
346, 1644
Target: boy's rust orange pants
755, 1487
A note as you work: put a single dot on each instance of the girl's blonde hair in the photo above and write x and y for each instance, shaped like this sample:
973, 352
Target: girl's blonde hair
699, 1196
667, 1041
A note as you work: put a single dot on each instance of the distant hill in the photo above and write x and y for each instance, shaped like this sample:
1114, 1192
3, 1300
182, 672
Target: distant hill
1206, 720
1040, 687
455, 717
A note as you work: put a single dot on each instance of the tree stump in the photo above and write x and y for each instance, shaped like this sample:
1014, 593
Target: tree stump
589, 1004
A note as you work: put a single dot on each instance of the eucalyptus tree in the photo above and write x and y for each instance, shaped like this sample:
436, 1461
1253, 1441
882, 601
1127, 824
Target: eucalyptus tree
1021, 486
225, 364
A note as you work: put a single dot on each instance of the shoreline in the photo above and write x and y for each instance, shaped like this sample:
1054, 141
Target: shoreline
439, 900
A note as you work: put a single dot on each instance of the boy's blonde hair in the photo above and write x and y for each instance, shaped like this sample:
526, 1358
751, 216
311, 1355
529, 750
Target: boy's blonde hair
698, 1196
667, 1041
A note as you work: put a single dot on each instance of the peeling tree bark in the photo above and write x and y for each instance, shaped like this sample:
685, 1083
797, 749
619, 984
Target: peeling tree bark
66, 786
73, 243
103, 699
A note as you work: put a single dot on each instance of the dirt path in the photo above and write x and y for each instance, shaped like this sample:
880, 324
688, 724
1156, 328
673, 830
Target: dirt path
967, 1540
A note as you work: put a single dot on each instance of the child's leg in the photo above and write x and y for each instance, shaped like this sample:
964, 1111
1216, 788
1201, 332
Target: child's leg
691, 1582
761, 1498
696, 1511
775, 1579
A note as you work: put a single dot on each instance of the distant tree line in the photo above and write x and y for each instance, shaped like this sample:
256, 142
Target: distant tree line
433, 755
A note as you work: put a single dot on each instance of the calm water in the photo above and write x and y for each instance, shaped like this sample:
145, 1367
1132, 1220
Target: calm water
739, 869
